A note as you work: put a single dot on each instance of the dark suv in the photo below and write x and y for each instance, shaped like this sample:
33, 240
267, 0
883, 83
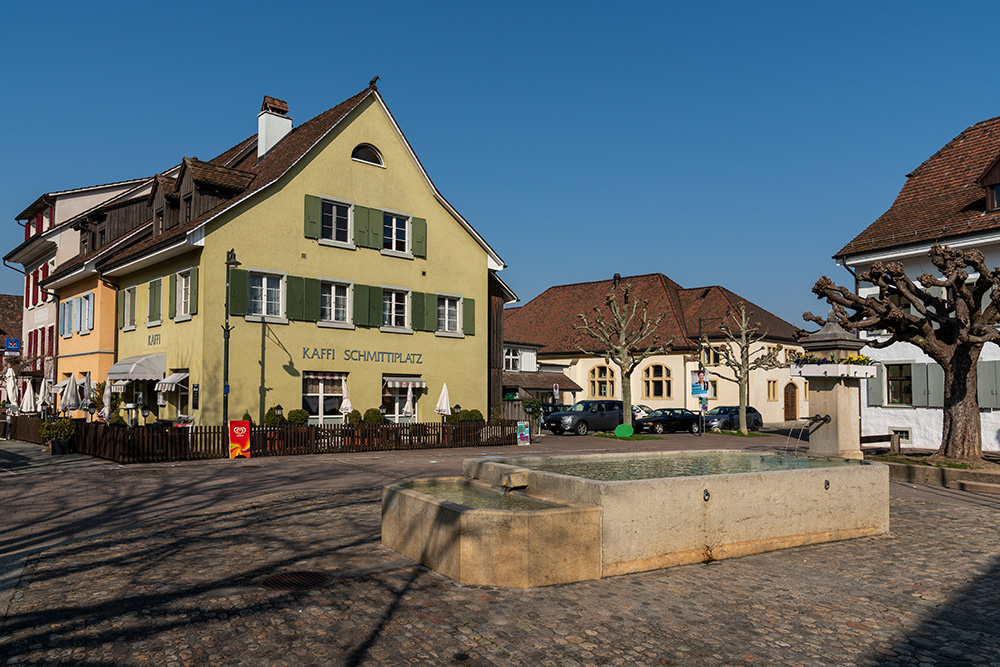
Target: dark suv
586, 416
727, 417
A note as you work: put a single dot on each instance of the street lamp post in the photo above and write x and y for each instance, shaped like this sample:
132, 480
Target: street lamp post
231, 263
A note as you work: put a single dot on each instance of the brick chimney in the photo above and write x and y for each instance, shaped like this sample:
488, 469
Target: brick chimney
273, 123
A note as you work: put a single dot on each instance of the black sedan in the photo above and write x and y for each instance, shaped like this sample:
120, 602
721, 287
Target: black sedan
668, 420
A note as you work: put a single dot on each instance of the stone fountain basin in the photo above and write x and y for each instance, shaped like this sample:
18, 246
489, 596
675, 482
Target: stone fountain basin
548, 543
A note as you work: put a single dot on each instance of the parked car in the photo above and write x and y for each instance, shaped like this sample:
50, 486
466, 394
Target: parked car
726, 418
586, 416
549, 408
668, 420
640, 411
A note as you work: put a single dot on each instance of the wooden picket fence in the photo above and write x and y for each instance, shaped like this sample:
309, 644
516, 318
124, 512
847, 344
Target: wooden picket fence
189, 443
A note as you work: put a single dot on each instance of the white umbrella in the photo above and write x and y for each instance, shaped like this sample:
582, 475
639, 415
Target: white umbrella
11, 382
43, 393
28, 400
70, 396
106, 410
345, 405
408, 408
88, 390
443, 406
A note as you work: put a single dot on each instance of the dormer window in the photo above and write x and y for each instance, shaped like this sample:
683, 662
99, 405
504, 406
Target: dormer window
994, 197
367, 153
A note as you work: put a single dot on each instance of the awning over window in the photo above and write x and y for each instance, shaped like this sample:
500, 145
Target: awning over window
170, 384
143, 367
118, 386
397, 382
324, 376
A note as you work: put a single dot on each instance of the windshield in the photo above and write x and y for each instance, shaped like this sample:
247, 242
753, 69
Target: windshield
719, 411
582, 406
660, 413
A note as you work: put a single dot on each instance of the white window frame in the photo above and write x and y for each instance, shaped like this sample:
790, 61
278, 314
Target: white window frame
322, 417
408, 309
129, 301
183, 305
512, 354
349, 243
459, 303
377, 152
334, 324
407, 252
86, 309
281, 318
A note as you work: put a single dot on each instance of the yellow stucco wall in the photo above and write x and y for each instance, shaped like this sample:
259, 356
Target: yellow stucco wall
267, 233
91, 352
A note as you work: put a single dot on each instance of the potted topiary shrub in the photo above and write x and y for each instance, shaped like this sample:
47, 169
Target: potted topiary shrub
298, 417
58, 434
373, 416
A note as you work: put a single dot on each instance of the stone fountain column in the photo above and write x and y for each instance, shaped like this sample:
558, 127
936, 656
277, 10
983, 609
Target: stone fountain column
834, 392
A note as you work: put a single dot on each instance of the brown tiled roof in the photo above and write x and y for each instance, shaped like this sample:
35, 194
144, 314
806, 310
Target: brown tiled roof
167, 184
270, 167
11, 315
941, 198
539, 380
218, 176
548, 319
274, 104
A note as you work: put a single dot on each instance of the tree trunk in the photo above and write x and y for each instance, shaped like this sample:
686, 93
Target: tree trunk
627, 399
961, 434
744, 381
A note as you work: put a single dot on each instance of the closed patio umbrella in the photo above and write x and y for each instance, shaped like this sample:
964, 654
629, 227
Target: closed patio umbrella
345, 405
11, 387
70, 396
43, 393
443, 406
28, 400
106, 410
87, 391
408, 408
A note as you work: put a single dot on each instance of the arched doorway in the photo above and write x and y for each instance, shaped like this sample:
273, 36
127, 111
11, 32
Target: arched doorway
791, 402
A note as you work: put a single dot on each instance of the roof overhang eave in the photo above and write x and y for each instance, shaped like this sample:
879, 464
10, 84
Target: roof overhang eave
173, 250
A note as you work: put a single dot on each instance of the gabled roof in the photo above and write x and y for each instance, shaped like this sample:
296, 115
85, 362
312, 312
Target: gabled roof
548, 319
46, 200
941, 199
217, 176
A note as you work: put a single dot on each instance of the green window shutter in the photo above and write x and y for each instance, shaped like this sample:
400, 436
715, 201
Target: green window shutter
361, 294
875, 387
194, 291
314, 211
154, 302
172, 298
132, 295
469, 316
919, 385
375, 223
310, 300
419, 228
375, 305
417, 310
360, 226
986, 377
294, 297
239, 291
431, 312
935, 386
120, 307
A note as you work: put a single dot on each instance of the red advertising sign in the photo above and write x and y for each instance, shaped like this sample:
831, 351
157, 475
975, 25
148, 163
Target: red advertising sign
239, 439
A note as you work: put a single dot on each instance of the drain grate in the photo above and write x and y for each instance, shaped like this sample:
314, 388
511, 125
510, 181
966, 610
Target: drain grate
295, 581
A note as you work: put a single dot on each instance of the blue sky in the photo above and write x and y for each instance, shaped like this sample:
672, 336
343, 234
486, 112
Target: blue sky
738, 144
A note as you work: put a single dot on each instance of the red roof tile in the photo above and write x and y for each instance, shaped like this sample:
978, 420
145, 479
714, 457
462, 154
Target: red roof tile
539, 380
941, 198
548, 319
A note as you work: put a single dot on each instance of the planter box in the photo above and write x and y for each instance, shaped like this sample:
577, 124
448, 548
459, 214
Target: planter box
833, 371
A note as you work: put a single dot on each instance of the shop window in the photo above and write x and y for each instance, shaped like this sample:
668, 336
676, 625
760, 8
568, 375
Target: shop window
322, 396
656, 382
401, 401
511, 359
899, 382
602, 382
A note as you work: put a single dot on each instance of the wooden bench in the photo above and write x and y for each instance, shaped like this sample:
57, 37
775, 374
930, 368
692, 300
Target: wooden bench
891, 438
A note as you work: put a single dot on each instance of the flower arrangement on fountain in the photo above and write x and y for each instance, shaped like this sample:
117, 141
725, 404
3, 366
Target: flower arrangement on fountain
851, 366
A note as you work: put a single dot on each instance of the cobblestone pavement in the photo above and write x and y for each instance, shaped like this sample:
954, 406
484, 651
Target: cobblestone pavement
184, 591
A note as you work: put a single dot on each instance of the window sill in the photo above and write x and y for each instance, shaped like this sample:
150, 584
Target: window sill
182, 318
329, 324
897, 406
399, 330
396, 253
337, 244
130, 327
370, 164
449, 334
154, 323
85, 333
266, 318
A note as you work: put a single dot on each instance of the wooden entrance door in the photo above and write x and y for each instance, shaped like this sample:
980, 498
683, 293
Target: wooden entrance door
791, 402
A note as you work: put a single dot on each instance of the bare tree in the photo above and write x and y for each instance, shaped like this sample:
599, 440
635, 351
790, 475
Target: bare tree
628, 337
742, 335
950, 318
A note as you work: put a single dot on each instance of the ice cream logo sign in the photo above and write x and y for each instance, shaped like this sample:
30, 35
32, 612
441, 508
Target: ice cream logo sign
239, 439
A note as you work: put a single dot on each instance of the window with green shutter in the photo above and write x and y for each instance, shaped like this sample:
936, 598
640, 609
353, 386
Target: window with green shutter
239, 290
469, 316
361, 309
119, 310
155, 304
419, 237
193, 307
172, 297
312, 217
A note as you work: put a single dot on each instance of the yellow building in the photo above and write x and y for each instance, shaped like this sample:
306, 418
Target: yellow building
354, 279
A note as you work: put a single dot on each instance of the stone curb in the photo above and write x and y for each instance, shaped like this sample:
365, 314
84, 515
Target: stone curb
934, 476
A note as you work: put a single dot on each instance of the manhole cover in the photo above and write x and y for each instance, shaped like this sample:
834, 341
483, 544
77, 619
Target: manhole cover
295, 581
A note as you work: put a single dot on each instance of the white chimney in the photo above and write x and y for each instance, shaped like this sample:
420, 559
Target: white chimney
273, 123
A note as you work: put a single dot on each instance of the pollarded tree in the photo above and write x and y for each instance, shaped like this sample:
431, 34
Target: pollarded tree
950, 318
743, 334
628, 337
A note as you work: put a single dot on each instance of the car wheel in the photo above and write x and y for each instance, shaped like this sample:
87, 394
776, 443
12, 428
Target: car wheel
755, 426
724, 426
658, 428
694, 427
581, 428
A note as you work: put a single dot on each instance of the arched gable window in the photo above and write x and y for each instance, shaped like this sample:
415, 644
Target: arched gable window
656, 382
602, 382
367, 153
